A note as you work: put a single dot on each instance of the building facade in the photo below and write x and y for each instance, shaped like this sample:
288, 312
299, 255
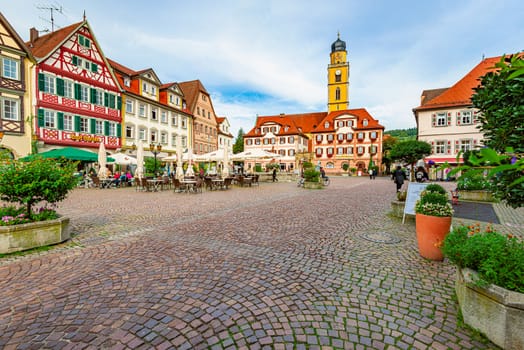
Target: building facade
338, 140
205, 127
154, 114
447, 120
15, 92
77, 97
225, 138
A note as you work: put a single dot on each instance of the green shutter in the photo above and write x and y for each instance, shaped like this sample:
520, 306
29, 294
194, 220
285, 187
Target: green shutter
93, 126
40, 117
118, 130
60, 120
106, 128
119, 102
77, 123
94, 67
93, 95
112, 101
60, 86
75, 60
77, 91
106, 99
41, 83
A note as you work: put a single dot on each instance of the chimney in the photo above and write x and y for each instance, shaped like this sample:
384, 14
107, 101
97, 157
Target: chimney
33, 35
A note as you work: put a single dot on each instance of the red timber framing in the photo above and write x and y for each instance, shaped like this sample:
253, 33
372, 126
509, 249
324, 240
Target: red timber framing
78, 97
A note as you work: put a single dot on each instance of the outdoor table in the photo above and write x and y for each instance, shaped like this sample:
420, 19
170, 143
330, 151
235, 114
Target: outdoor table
155, 183
189, 184
218, 183
106, 183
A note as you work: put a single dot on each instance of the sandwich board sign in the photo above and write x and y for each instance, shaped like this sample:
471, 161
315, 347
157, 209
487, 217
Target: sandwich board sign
414, 190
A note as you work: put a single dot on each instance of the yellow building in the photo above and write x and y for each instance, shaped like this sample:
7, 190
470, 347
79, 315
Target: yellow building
338, 77
15, 92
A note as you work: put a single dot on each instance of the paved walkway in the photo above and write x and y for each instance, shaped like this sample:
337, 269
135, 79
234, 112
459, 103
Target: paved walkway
271, 267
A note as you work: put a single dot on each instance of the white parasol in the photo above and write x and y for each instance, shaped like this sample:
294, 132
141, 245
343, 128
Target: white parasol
102, 161
225, 161
179, 168
189, 170
123, 159
140, 161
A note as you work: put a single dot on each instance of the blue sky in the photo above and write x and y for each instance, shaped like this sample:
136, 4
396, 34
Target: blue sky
269, 57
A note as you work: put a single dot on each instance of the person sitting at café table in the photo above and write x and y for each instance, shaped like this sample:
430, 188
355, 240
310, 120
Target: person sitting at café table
116, 179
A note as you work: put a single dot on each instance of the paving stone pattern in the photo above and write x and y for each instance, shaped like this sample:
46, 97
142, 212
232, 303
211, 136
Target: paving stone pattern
268, 267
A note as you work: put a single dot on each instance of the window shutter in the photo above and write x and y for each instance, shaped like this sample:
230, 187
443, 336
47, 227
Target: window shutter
74, 60
77, 123
106, 99
60, 87
118, 130
60, 120
448, 147
112, 101
40, 117
449, 118
41, 83
93, 96
106, 128
457, 146
94, 67
77, 91
475, 117
119, 102
92, 128
433, 119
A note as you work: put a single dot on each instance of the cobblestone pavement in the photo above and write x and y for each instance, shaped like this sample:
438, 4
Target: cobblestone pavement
268, 267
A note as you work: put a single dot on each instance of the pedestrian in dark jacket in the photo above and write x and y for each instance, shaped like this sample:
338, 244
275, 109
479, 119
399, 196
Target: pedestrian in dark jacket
399, 177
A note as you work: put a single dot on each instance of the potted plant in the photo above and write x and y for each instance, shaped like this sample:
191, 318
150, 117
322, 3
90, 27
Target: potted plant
433, 221
26, 184
490, 282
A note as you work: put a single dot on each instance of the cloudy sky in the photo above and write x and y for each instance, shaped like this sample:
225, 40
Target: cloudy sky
268, 57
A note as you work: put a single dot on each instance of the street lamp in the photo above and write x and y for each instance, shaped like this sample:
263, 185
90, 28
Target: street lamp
156, 150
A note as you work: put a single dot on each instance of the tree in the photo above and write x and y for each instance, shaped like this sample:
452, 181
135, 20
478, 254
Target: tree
500, 100
387, 145
238, 146
410, 152
31, 182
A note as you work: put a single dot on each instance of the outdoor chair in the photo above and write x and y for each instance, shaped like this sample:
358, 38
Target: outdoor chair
199, 184
209, 183
254, 180
227, 182
177, 185
96, 181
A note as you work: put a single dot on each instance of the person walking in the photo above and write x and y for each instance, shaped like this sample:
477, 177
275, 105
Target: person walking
399, 177
275, 175
370, 172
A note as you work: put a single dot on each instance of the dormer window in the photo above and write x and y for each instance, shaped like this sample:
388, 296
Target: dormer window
326, 125
127, 82
365, 122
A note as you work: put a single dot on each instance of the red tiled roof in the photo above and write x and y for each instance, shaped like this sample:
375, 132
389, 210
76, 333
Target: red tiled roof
312, 122
361, 114
46, 44
121, 68
191, 90
460, 93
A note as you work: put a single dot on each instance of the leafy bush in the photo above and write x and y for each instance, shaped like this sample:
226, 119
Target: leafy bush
474, 182
311, 175
498, 259
38, 180
345, 166
434, 202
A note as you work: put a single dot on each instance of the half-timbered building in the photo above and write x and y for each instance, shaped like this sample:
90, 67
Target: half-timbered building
77, 95
15, 97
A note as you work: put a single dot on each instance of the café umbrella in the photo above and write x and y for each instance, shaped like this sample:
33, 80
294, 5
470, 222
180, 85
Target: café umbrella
70, 153
102, 161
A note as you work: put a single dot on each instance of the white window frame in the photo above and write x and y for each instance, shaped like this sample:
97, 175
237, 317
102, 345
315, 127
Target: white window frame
440, 147
10, 109
142, 134
84, 93
130, 132
130, 106
68, 89
49, 119
142, 110
8, 72
466, 145
84, 124
112, 129
49, 84
441, 119
99, 127
68, 122
466, 118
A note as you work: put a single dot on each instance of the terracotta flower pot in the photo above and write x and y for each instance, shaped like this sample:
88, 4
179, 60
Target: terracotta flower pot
431, 231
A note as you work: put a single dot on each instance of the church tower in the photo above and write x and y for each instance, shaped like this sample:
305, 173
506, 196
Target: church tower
338, 77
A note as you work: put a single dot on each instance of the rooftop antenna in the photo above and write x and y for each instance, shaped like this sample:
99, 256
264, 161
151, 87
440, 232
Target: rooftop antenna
51, 8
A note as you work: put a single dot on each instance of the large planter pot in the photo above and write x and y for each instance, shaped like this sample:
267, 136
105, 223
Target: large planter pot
479, 196
35, 234
496, 312
431, 231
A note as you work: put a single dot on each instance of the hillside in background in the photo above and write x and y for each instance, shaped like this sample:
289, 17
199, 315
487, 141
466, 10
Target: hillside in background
403, 134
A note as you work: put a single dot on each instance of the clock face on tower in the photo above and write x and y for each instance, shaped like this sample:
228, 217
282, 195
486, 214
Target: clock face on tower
337, 72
